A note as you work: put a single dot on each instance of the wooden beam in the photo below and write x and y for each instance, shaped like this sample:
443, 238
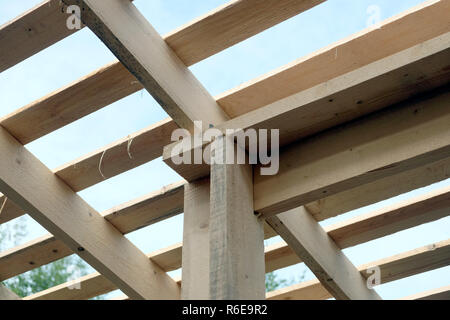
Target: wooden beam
370, 149
140, 48
126, 218
412, 262
31, 185
407, 29
95, 284
196, 262
393, 268
379, 190
365, 90
320, 253
113, 82
236, 235
33, 31
442, 293
231, 23
429, 207
6, 294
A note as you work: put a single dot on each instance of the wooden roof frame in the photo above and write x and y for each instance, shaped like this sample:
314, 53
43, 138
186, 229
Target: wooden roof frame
361, 111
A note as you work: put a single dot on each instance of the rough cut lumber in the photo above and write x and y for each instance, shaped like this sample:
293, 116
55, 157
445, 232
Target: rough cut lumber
320, 253
366, 150
406, 214
82, 173
33, 31
236, 234
32, 186
10, 210
195, 259
145, 145
126, 218
71, 103
379, 190
113, 82
229, 24
140, 48
397, 267
442, 293
414, 26
412, 262
368, 89
6, 294
95, 284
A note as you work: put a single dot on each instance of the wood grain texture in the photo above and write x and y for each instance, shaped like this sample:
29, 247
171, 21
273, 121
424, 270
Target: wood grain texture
379, 190
419, 210
419, 24
393, 268
145, 145
236, 234
442, 293
73, 102
320, 253
6, 294
114, 82
366, 90
195, 268
33, 31
30, 184
126, 218
140, 48
411, 262
229, 24
367, 150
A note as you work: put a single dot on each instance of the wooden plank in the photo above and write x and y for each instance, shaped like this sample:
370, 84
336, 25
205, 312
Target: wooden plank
195, 266
372, 148
365, 90
320, 253
379, 190
30, 184
140, 48
6, 294
114, 82
419, 210
418, 24
71, 103
147, 210
10, 210
31, 255
118, 157
236, 235
231, 23
413, 262
442, 293
33, 31
95, 284
393, 268
126, 218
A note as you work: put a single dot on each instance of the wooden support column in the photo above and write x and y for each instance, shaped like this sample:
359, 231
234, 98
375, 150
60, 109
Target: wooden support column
320, 253
237, 268
195, 262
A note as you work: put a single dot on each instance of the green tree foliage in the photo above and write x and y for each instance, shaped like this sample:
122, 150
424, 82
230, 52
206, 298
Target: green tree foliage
44, 277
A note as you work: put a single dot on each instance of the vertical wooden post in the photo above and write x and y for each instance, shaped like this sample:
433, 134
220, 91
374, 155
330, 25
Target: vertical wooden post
237, 269
195, 268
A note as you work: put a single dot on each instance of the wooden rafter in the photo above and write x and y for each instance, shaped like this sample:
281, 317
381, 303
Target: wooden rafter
141, 49
31, 185
320, 253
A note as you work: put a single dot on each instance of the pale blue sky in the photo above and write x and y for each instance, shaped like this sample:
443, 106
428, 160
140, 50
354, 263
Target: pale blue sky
82, 53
